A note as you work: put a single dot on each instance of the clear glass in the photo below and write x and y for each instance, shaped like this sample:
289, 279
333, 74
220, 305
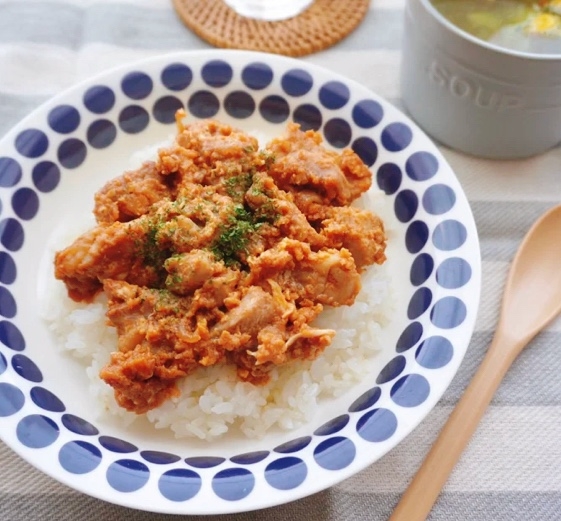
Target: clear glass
269, 10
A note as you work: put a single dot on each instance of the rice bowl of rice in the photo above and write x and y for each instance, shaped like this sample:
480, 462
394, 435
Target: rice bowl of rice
224, 445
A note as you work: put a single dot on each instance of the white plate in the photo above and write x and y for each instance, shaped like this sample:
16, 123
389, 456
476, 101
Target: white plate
50, 166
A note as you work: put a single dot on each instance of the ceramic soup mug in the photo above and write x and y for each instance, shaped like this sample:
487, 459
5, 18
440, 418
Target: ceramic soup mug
474, 96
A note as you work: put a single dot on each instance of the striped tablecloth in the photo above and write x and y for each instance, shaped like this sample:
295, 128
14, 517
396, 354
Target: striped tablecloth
512, 469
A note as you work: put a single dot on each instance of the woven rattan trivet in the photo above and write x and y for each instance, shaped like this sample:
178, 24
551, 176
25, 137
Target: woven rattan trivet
323, 24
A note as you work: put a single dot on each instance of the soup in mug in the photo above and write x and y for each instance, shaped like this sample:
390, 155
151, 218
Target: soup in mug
532, 26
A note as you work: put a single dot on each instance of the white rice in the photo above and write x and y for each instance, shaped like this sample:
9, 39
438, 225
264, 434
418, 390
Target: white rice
213, 401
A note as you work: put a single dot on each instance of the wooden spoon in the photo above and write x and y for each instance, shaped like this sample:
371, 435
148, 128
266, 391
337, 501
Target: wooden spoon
532, 298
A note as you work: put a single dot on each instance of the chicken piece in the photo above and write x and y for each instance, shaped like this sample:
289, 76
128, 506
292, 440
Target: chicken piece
159, 342
167, 321
189, 271
105, 252
133, 377
131, 195
328, 276
276, 206
255, 310
207, 152
359, 231
194, 220
276, 346
302, 164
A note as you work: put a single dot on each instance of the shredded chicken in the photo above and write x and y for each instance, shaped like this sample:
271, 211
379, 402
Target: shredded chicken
219, 252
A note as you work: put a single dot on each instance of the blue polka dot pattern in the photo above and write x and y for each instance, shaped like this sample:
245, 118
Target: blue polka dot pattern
391, 370
377, 425
409, 337
217, 73
11, 336
25, 203
117, 445
233, 484
137, 85
332, 426
99, 99
64, 119
203, 104
286, 473
26, 368
250, 458
434, 352
388, 178
432, 223
405, 205
79, 457
159, 458
438, 199
453, 273
419, 303
294, 445
11, 399
337, 132
421, 269
8, 269
177, 76
257, 76
334, 95
101, 133
46, 400
133, 119
449, 235
165, 108
127, 475
366, 400
37, 431
274, 109
308, 117
179, 484
410, 391
8, 306
448, 313
72, 153
239, 104
335, 453
366, 149
416, 236
367, 113
10, 172
204, 462
46, 176
297, 82
32, 143
421, 166
78, 425
396, 137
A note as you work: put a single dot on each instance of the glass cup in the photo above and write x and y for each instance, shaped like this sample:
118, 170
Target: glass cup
268, 10
474, 96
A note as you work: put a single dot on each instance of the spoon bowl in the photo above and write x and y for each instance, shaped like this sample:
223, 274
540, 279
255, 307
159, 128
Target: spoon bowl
532, 298
532, 295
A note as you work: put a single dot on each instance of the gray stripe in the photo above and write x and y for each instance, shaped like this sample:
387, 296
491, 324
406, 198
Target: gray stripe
325, 506
72, 26
502, 225
533, 379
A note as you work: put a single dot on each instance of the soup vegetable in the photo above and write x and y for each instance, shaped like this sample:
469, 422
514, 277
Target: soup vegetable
524, 25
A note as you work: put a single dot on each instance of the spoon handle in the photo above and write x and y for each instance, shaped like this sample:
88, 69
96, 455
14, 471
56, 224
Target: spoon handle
418, 499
